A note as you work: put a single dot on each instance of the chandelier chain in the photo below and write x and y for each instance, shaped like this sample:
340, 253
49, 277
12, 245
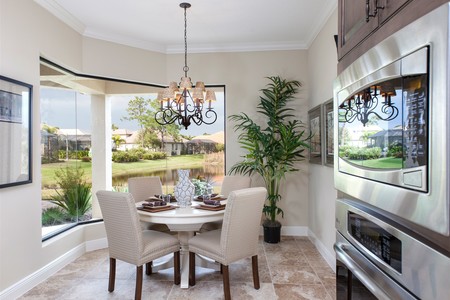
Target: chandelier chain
186, 68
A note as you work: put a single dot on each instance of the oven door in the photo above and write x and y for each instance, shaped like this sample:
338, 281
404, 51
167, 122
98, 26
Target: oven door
358, 278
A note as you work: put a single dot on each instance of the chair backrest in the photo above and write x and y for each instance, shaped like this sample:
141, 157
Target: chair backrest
144, 187
123, 229
241, 223
233, 183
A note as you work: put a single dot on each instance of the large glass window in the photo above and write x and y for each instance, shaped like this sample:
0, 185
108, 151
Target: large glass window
139, 146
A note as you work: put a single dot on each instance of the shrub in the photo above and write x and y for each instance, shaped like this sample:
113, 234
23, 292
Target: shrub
139, 152
74, 196
121, 157
54, 216
154, 155
395, 150
357, 153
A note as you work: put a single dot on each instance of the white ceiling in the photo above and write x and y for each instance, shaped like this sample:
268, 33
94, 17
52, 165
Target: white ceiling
212, 25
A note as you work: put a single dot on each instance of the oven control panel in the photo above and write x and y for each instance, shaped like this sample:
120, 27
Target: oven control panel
375, 239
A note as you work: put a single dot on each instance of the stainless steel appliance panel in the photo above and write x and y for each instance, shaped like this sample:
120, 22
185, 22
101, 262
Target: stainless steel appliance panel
423, 271
428, 209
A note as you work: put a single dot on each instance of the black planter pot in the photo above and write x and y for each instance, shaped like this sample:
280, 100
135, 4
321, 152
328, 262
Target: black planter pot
272, 232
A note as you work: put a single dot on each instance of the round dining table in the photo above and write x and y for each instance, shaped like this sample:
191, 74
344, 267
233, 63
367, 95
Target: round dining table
186, 221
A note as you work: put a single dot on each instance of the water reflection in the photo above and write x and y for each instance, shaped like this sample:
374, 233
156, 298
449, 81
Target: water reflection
169, 177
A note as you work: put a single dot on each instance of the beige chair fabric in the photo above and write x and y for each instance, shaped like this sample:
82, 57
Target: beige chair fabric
238, 237
144, 187
233, 183
230, 183
128, 242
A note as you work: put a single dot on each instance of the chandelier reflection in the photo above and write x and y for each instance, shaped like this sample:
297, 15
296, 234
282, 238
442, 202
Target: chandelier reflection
363, 105
184, 103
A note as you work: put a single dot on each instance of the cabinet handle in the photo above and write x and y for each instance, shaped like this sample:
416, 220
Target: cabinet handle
375, 10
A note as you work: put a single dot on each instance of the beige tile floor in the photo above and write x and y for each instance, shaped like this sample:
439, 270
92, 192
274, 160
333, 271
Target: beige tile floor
292, 269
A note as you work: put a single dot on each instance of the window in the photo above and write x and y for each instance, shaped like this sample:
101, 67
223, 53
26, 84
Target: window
139, 148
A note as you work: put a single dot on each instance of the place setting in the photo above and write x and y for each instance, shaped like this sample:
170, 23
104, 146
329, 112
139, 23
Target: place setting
157, 203
210, 202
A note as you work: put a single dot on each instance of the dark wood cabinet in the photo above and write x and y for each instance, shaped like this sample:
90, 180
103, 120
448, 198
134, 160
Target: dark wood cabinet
359, 28
353, 24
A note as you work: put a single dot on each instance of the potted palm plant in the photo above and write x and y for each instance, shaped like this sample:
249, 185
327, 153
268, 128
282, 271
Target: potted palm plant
273, 148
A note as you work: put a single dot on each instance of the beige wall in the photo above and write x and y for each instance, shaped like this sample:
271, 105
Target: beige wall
322, 61
28, 31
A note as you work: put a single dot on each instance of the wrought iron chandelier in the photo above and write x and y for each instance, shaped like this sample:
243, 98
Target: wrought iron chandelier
362, 105
185, 103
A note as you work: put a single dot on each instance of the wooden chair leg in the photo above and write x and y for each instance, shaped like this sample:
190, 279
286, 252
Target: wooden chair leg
226, 283
191, 268
255, 271
148, 268
176, 268
112, 274
138, 291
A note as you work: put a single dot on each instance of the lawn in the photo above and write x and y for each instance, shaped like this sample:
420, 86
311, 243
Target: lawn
380, 163
118, 169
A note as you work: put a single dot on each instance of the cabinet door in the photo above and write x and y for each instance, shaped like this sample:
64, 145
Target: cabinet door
390, 7
353, 24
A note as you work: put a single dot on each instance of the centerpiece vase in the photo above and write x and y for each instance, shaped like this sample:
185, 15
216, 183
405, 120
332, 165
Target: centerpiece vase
184, 189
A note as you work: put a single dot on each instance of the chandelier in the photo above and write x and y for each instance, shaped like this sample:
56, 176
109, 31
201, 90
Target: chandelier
363, 104
183, 103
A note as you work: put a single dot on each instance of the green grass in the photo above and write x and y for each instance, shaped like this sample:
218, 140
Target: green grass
380, 163
172, 162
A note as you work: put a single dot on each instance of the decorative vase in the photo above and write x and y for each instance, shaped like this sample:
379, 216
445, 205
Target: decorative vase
184, 189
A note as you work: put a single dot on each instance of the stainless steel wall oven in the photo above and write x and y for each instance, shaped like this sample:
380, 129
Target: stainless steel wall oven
392, 164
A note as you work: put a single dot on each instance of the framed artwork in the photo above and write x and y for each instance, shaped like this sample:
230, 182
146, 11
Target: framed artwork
329, 132
15, 130
315, 127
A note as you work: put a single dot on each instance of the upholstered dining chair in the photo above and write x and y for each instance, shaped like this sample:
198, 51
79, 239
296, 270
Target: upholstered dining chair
230, 183
128, 242
238, 238
144, 187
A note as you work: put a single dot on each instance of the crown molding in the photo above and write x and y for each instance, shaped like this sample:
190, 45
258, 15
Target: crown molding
55, 9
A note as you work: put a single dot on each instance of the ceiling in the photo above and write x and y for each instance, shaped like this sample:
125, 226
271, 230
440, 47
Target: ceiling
212, 25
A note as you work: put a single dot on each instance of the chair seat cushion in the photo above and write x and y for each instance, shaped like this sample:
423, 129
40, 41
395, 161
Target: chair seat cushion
207, 244
157, 244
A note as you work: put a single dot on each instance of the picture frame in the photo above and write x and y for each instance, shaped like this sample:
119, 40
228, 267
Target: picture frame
15, 130
315, 127
328, 116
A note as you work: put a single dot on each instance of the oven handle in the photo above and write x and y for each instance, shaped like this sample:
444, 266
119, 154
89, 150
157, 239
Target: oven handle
347, 254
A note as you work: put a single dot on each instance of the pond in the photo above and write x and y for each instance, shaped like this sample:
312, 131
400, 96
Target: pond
214, 173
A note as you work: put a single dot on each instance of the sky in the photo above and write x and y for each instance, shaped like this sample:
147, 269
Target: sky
58, 109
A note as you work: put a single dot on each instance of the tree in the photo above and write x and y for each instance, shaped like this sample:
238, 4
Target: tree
139, 110
172, 130
117, 140
143, 111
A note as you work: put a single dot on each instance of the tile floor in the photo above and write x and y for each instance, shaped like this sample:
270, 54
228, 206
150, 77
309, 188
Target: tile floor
292, 269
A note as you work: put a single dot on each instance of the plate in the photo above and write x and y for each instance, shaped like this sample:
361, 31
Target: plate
155, 208
211, 207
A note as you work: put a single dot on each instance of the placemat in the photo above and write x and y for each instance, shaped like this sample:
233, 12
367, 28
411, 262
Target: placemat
155, 208
208, 207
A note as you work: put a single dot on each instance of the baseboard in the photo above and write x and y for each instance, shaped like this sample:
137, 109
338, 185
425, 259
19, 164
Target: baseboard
48, 270
96, 244
329, 257
42, 274
290, 230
